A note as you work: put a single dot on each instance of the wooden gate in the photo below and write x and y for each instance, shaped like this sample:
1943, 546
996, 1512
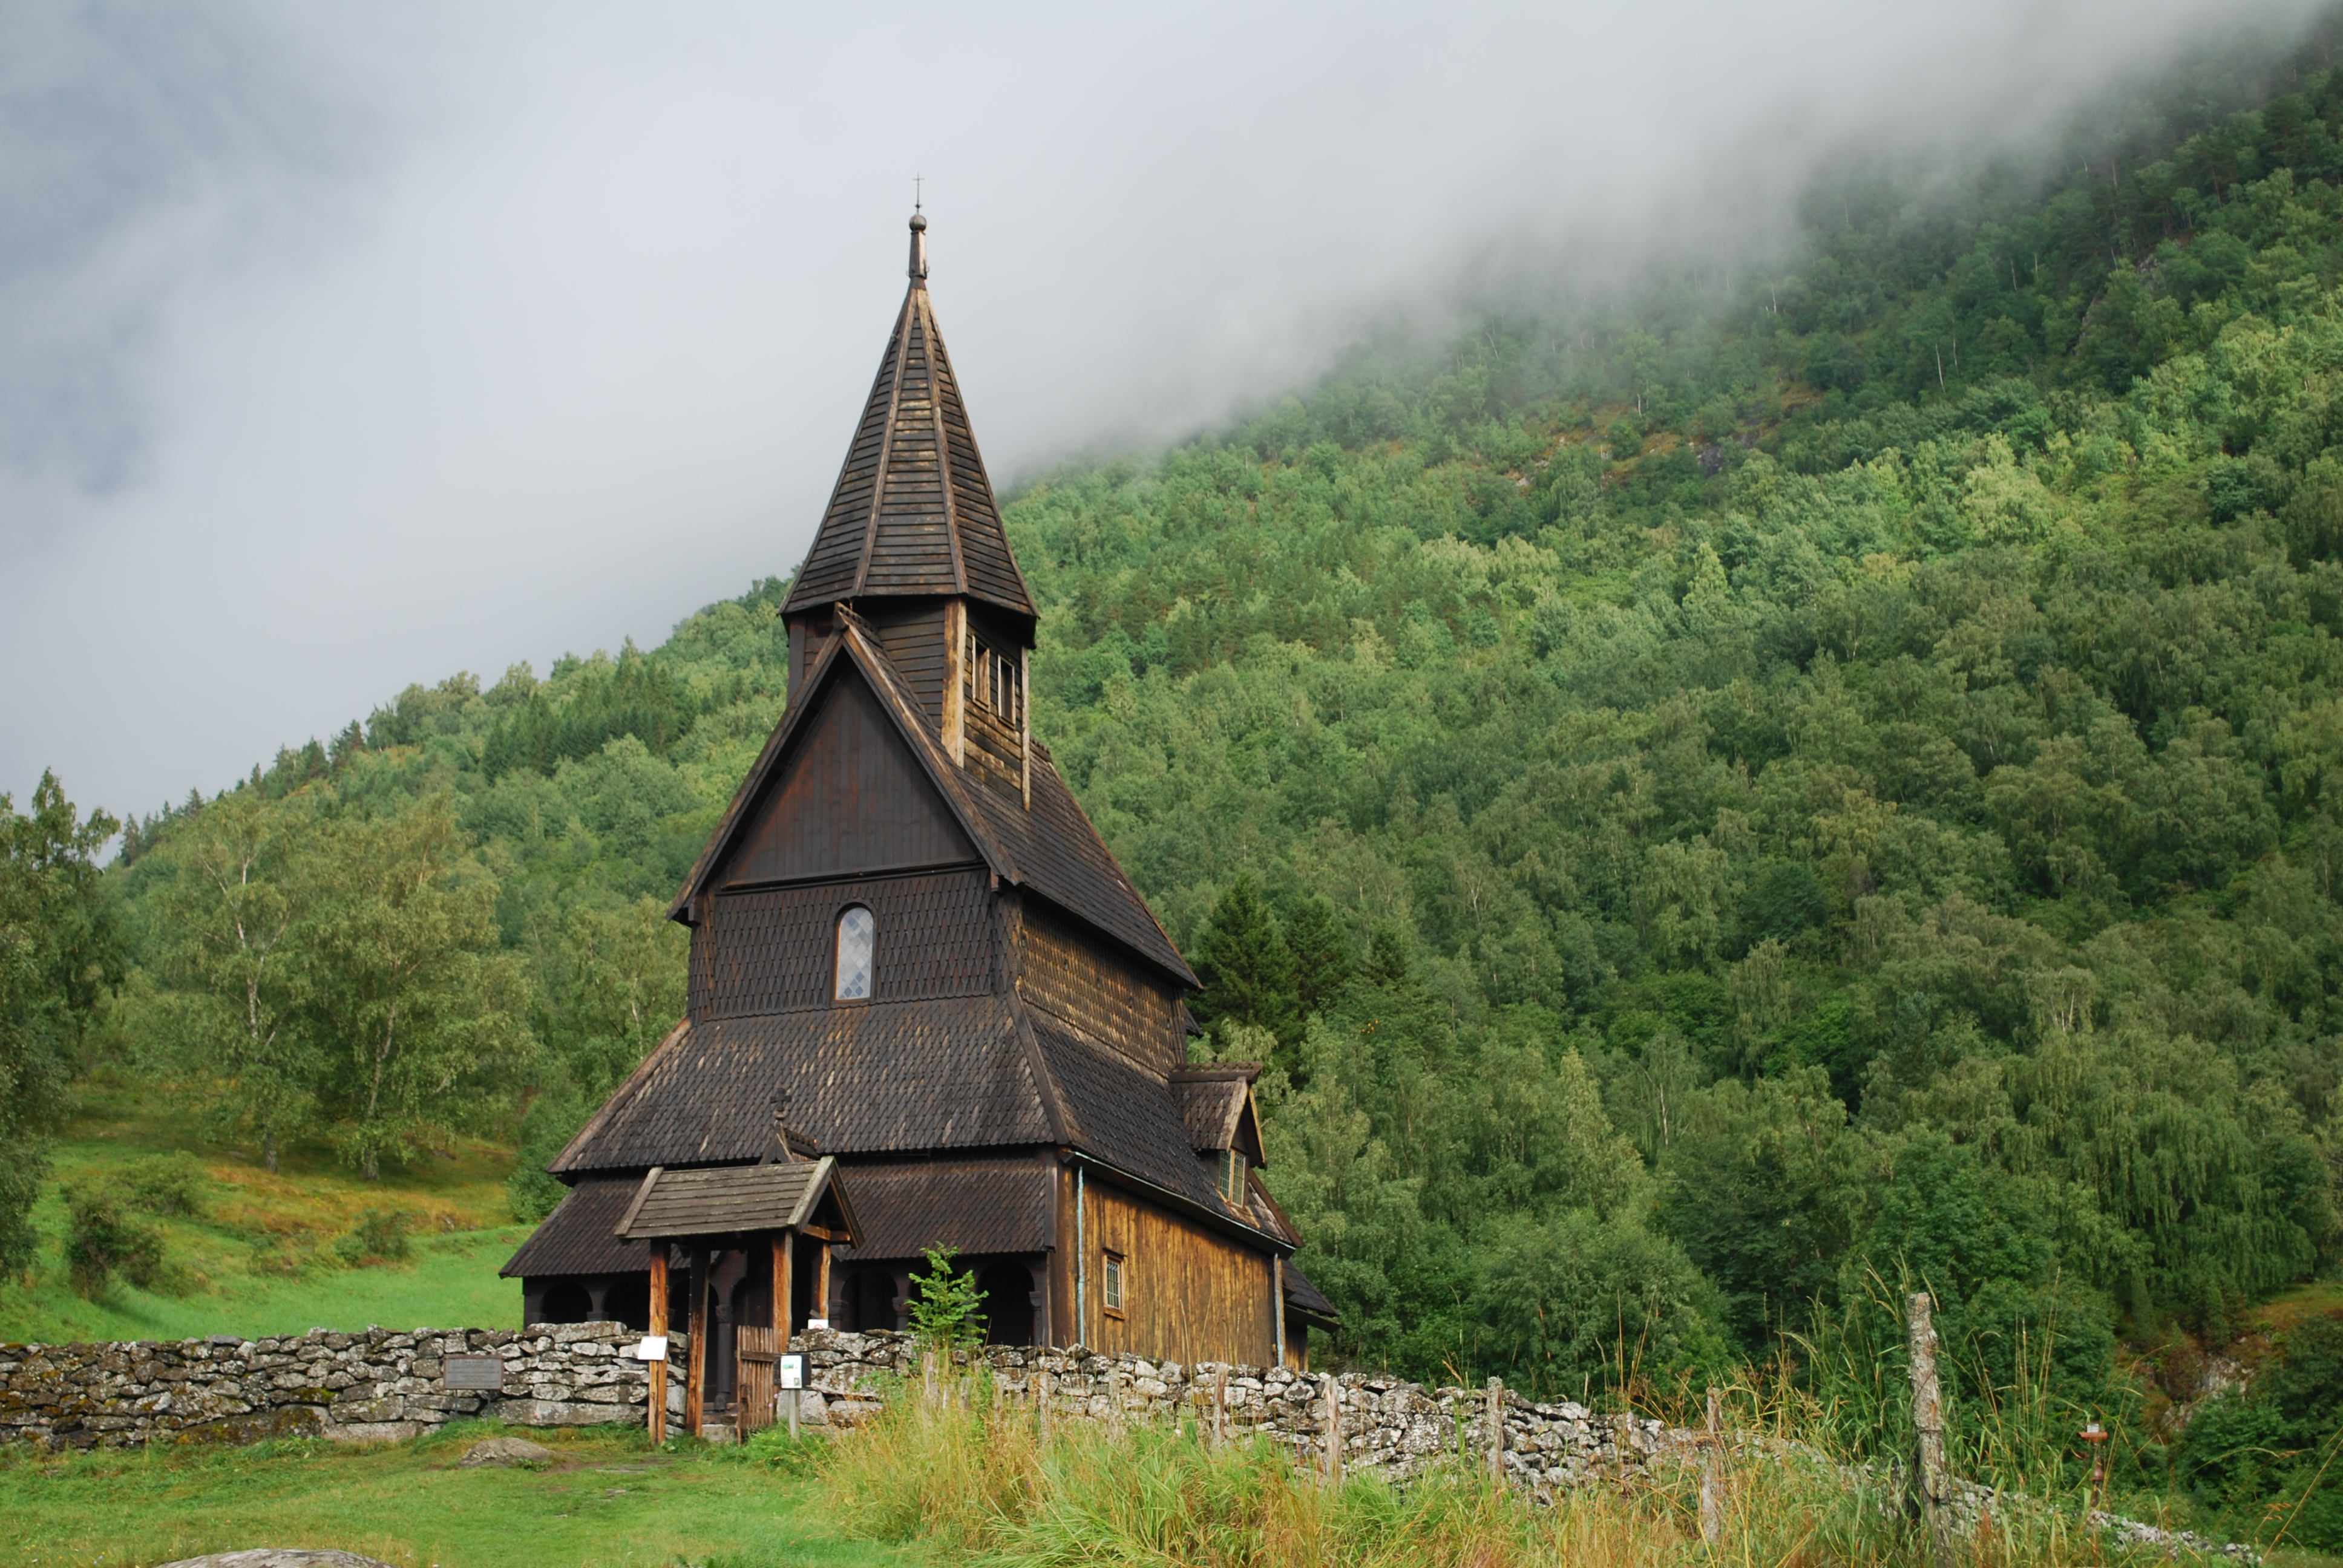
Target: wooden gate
757, 1371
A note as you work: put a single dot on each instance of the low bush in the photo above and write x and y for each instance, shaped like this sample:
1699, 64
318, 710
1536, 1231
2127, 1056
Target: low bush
379, 1237
172, 1185
104, 1238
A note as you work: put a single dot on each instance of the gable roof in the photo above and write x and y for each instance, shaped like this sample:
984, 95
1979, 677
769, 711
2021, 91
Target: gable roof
1215, 1100
912, 512
1051, 849
729, 1199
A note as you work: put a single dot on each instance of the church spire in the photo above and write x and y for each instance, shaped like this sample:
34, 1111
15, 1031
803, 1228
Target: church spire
913, 514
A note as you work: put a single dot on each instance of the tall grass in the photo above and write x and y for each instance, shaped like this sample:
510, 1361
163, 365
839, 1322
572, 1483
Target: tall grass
973, 1476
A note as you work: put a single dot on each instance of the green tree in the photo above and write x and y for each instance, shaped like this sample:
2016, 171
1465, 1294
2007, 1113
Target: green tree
240, 878
60, 956
417, 1010
1243, 961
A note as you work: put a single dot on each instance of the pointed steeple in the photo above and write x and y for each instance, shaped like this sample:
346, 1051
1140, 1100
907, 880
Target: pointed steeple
913, 513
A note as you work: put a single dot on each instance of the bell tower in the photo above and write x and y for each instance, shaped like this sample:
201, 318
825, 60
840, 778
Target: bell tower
912, 547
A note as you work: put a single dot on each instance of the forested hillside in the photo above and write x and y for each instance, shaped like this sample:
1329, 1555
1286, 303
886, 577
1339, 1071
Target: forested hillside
1822, 778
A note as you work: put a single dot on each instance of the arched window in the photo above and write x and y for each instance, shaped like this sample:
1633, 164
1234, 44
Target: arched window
855, 930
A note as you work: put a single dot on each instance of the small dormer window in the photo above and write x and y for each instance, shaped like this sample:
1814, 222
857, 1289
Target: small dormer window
855, 933
1233, 1166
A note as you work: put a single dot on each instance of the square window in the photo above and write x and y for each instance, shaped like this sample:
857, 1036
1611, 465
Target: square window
1113, 1283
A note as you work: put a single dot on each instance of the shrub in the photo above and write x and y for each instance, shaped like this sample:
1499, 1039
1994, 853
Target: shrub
945, 1306
105, 1237
170, 1184
380, 1237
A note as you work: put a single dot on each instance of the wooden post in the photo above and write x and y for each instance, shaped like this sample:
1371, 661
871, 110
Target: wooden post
1332, 1393
1277, 1302
1712, 1523
1221, 1409
1042, 1404
785, 1288
928, 1376
692, 1410
784, 1310
1931, 1486
659, 1331
1494, 1426
821, 1308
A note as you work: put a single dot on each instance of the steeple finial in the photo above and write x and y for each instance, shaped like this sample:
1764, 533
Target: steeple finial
919, 243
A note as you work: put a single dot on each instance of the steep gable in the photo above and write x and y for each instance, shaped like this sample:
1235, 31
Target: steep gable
849, 799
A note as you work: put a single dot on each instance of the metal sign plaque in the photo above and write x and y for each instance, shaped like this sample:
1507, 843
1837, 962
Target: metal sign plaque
653, 1349
792, 1372
484, 1374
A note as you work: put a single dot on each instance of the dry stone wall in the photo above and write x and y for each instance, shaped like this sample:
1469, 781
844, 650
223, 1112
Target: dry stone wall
379, 1386
361, 1387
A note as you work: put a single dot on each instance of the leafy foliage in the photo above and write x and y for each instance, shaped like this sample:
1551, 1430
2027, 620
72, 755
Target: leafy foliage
947, 1304
59, 957
1715, 806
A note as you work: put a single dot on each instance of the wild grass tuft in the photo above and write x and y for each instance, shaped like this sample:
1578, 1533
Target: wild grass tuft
976, 1479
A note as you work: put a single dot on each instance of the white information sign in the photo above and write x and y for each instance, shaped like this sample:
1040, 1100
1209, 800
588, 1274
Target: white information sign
653, 1349
792, 1372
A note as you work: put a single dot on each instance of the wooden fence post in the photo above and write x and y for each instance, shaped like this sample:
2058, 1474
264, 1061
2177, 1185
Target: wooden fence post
1221, 1409
1331, 1393
1042, 1404
1931, 1484
1712, 1523
659, 1331
1493, 1427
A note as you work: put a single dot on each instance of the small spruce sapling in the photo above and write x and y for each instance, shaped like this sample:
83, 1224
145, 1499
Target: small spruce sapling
947, 1306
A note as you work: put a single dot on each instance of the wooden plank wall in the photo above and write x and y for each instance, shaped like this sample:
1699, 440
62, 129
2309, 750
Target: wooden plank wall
914, 638
1190, 1295
1098, 995
851, 798
774, 949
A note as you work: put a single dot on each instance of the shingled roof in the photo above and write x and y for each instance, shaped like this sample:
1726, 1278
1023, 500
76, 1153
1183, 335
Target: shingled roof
893, 1077
1052, 850
580, 1236
912, 512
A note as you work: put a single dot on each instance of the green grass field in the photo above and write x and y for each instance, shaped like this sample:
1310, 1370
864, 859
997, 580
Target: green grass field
260, 1258
610, 1500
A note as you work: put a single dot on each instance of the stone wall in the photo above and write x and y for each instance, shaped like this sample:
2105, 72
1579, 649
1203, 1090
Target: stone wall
1388, 1426
377, 1386
362, 1387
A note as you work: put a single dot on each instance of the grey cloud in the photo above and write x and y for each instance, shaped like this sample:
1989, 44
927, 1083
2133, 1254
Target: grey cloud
359, 344
139, 145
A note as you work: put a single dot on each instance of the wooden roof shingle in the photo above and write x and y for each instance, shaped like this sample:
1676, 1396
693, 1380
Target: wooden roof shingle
912, 512
881, 1078
579, 1236
733, 1200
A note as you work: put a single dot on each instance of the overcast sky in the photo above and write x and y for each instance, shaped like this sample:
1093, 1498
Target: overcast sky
343, 346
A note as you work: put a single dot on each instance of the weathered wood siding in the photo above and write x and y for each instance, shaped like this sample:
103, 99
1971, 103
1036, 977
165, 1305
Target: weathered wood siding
774, 949
915, 640
1190, 1295
850, 798
1099, 994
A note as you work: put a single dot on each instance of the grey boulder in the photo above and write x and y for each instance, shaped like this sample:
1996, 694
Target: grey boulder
508, 1451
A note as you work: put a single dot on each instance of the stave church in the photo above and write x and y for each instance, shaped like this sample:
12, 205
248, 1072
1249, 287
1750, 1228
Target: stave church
912, 957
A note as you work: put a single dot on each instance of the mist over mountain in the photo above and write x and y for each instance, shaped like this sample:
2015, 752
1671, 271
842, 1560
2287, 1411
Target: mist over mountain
437, 338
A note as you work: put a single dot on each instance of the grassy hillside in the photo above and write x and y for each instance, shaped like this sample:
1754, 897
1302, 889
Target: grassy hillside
261, 1257
1808, 782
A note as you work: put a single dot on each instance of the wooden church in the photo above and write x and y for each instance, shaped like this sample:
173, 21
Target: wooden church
907, 933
